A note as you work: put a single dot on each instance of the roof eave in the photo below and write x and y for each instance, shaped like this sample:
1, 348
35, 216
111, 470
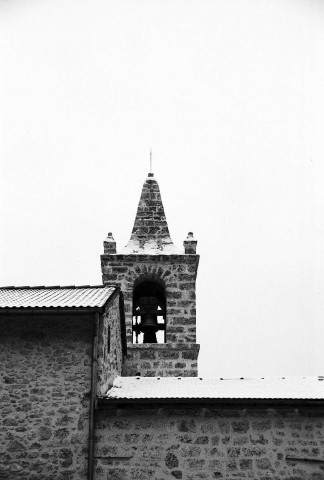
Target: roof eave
33, 310
107, 403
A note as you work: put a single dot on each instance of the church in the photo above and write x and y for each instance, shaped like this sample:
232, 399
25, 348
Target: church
101, 382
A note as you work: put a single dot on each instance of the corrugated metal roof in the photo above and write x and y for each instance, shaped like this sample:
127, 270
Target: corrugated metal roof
139, 388
55, 297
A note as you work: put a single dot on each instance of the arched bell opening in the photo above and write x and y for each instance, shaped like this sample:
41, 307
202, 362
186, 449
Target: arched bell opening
149, 312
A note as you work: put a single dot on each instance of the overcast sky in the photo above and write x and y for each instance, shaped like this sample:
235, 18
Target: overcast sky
230, 96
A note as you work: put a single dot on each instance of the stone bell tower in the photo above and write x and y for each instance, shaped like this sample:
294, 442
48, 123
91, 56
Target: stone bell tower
159, 286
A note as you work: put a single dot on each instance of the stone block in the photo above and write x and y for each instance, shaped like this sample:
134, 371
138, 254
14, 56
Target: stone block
263, 463
171, 460
176, 474
189, 355
240, 426
168, 355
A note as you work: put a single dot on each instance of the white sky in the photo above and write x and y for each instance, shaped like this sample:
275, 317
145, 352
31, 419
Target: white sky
230, 96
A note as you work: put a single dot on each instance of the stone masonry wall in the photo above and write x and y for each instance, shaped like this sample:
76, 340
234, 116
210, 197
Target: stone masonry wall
110, 356
161, 360
191, 443
45, 378
178, 274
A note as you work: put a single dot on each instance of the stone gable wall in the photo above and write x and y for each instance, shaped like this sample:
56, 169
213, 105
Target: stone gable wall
191, 443
109, 359
178, 274
45, 381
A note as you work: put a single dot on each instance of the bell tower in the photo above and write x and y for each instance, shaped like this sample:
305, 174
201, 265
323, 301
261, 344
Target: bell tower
159, 286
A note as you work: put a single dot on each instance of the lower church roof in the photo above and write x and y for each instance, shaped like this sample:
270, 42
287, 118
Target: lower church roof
144, 388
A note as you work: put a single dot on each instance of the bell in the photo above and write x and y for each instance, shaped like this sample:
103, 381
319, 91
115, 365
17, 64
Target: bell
149, 328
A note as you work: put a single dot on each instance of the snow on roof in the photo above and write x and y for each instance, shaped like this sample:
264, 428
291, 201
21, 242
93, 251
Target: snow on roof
293, 388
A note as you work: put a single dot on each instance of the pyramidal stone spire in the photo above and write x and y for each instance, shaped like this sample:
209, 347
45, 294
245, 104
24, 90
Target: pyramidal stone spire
150, 234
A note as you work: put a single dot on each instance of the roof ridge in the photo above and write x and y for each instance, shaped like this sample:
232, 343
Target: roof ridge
43, 287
